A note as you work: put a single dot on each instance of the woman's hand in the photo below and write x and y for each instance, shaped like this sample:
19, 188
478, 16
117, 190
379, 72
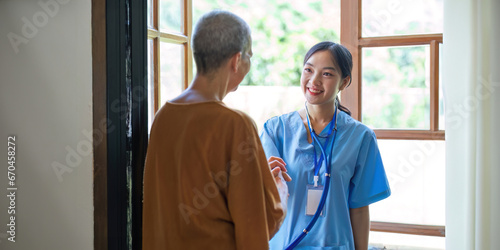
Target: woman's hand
278, 170
277, 165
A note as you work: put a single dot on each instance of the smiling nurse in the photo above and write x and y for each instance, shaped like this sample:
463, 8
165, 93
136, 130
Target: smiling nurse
326, 151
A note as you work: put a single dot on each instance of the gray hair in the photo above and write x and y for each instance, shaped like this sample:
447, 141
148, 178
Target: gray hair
218, 35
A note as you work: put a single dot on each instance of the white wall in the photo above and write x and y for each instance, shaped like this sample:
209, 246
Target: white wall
45, 101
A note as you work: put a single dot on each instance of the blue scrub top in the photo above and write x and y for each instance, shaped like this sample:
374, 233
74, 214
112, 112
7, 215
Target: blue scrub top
357, 179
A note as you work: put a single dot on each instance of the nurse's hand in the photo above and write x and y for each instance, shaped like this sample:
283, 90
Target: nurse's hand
277, 165
281, 185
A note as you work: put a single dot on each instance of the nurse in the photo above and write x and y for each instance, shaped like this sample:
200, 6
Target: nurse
322, 143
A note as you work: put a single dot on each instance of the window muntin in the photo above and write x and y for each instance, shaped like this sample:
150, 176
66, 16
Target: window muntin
151, 81
441, 95
169, 29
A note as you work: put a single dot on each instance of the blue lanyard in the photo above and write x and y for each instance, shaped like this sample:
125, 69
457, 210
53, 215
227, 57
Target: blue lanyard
304, 232
328, 144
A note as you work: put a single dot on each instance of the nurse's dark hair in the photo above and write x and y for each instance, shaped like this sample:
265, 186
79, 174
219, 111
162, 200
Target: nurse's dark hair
340, 57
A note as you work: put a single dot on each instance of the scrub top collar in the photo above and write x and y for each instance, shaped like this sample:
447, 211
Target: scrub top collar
296, 124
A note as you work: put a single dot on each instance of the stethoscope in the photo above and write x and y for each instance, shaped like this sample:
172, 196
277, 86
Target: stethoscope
317, 166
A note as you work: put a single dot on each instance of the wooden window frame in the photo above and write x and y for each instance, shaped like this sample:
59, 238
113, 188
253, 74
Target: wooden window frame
350, 36
182, 38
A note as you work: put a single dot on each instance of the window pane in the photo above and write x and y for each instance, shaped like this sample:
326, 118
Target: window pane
389, 241
170, 16
150, 13
391, 17
441, 98
416, 173
282, 32
396, 87
171, 71
151, 79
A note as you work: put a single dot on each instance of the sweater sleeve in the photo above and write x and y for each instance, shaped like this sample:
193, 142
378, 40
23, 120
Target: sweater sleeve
253, 198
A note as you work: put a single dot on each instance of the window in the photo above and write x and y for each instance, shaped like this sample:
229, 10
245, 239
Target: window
169, 52
395, 90
282, 33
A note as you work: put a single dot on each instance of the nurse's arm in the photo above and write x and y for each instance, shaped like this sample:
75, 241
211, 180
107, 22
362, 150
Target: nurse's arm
360, 221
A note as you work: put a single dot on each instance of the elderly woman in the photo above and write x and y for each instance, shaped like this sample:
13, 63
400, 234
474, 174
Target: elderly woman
207, 183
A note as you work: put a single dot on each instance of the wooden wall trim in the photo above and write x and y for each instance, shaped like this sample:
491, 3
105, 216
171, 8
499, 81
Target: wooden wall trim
388, 41
402, 228
99, 124
395, 134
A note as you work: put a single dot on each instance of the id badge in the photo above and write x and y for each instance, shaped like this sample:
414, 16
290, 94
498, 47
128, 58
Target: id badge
313, 198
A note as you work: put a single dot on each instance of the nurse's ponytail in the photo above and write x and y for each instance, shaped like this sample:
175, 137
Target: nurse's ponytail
343, 108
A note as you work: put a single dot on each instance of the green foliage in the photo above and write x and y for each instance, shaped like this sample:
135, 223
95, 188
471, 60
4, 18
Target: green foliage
372, 77
323, 34
396, 79
411, 63
317, 6
170, 16
418, 112
394, 110
390, 117
282, 33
